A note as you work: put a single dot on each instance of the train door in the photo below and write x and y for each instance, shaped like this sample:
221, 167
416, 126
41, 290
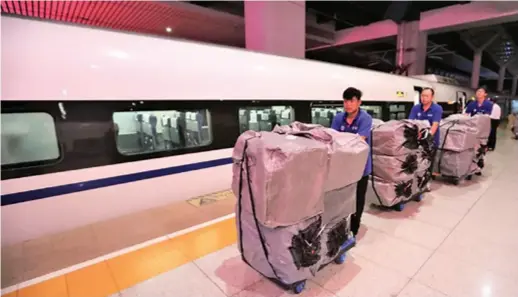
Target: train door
461, 101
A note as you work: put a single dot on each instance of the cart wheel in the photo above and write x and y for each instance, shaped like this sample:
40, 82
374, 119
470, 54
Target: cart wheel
299, 287
399, 207
340, 259
469, 177
456, 181
419, 198
433, 177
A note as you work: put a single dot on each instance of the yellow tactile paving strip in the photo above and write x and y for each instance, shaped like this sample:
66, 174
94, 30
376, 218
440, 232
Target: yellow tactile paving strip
210, 198
28, 260
116, 274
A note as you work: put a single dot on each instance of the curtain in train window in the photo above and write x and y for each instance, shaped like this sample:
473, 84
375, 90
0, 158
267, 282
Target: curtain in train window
139, 132
28, 137
374, 110
264, 118
323, 115
397, 111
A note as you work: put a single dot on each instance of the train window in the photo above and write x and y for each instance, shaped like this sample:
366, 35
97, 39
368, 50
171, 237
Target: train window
142, 132
28, 137
264, 118
374, 110
397, 111
324, 115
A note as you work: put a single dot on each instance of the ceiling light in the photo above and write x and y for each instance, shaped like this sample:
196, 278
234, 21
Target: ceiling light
169, 29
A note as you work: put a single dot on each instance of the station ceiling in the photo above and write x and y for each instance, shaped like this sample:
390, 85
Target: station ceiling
222, 22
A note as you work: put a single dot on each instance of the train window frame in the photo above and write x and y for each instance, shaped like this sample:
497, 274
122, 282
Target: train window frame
42, 162
339, 105
263, 105
167, 150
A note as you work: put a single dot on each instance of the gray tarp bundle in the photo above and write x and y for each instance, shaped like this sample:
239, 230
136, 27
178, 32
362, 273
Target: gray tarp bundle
400, 161
296, 189
462, 146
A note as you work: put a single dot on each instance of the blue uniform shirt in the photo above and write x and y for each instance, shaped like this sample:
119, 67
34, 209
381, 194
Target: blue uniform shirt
473, 108
432, 114
361, 125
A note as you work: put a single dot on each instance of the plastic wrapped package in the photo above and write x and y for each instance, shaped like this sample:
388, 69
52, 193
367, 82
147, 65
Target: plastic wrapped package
387, 193
339, 202
456, 164
481, 122
462, 136
401, 158
288, 225
348, 153
395, 138
484, 127
457, 136
395, 168
285, 181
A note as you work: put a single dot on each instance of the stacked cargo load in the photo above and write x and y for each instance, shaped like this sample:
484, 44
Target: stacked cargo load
401, 159
460, 143
296, 190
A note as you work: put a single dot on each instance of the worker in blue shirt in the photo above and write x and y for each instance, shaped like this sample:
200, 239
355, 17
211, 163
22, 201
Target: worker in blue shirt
429, 111
480, 106
358, 121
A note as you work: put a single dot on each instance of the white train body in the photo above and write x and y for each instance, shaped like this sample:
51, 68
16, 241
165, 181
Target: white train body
82, 76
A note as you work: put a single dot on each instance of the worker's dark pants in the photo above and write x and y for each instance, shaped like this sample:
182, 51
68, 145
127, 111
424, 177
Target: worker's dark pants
361, 190
491, 142
435, 149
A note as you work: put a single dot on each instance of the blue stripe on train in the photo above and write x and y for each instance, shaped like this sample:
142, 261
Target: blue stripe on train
108, 181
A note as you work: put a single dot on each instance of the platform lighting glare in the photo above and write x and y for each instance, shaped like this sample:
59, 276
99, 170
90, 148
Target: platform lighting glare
169, 29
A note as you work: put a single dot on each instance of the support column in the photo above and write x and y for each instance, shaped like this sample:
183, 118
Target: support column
515, 84
477, 58
501, 77
411, 48
475, 71
276, 27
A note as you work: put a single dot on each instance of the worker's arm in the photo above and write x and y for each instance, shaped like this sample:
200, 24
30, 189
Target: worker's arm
413, 113
433, 129
337, 121
437, 117
364, 129
468, 109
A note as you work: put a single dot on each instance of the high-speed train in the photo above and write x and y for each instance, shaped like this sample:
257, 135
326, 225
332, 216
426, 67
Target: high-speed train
97, 124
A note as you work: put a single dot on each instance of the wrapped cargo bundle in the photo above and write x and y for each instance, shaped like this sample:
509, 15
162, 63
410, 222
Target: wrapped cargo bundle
482, 123
460, 140
296, 190
401, 160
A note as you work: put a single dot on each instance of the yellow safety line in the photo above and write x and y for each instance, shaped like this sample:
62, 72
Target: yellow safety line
116, 274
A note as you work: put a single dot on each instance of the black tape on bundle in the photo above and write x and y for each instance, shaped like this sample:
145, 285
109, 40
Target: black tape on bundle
481, 152
305, 246
426, 142
409, 166
411, 134
336, 237
243, 162
422, 181
404, 189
